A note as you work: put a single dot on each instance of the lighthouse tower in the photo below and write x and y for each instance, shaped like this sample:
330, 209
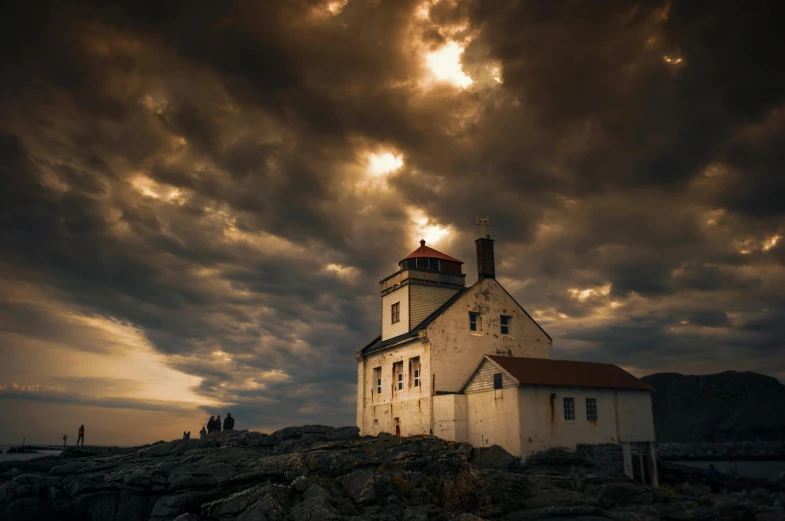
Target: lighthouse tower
426, 279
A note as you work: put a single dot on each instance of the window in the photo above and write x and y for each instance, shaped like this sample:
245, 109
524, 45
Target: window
569, 408
505, 323
414, 372
497, 381
398, 375
591, 409
377, 378
395, 313
474, 321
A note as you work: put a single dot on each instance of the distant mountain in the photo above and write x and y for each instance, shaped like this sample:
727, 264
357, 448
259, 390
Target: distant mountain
729, 406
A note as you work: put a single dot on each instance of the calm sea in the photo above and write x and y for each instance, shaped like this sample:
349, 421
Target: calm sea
747, 469
17, 457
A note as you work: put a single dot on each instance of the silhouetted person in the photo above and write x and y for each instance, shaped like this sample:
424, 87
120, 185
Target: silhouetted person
203, 433
218, 424
714, 479
188, 436
81, 436
228, 422
211, 424
65, 438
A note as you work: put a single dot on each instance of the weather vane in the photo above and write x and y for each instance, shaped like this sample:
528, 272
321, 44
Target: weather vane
482, 223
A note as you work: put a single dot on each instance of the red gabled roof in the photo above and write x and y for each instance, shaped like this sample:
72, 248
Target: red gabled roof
568, 373
427, 251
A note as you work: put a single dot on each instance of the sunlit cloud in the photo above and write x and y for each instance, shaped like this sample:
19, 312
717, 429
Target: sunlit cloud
423, 227
154, 103
327, 10
336, 6
748, 246
222, 356
383, 163
496, 73
341, 271
549, 314
133, 359
444, 65
423, 11
673, 59
583, 294
771, 242
149, 188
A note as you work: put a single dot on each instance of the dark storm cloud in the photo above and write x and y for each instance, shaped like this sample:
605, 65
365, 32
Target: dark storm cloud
191, 169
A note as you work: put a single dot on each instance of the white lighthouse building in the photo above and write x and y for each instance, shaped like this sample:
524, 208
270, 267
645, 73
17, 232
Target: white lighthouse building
470, 364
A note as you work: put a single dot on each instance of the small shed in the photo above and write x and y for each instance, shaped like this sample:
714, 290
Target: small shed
531, 404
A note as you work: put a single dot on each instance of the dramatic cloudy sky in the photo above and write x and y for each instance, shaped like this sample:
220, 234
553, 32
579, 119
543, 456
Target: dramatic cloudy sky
199, 198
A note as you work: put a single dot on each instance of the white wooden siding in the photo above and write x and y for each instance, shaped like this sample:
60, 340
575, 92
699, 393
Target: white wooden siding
482, 380
634, 416
390, 330
425, 300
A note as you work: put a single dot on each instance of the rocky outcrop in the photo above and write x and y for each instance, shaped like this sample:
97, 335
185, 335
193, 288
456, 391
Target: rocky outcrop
724, 407
316, 473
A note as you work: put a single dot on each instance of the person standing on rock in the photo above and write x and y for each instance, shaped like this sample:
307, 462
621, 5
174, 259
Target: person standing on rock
203, 434
228, 422
714, 479
81, 436
211, 424
218, 424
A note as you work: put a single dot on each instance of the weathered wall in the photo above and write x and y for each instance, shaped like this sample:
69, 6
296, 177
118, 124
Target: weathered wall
414, 417
493, 419
390, 330
482, 380
424, 300
450, 420
636, 420
411, 405
455, 351
543, 424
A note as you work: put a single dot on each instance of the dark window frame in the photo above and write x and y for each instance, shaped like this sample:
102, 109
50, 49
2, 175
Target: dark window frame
568, 403
504, 324
377, 373
474, 322
591, 407
497, 381
395, 313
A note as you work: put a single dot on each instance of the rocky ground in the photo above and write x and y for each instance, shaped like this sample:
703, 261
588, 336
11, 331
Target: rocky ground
320, 473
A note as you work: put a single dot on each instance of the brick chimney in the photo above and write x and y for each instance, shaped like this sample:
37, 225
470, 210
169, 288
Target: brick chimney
486, 268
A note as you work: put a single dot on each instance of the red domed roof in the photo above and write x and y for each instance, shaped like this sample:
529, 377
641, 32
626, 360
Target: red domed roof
427, 252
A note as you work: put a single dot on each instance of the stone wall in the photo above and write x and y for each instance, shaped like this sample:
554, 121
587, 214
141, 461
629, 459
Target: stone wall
607, 456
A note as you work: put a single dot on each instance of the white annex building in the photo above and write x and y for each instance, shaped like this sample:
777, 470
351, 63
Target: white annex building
469, 364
